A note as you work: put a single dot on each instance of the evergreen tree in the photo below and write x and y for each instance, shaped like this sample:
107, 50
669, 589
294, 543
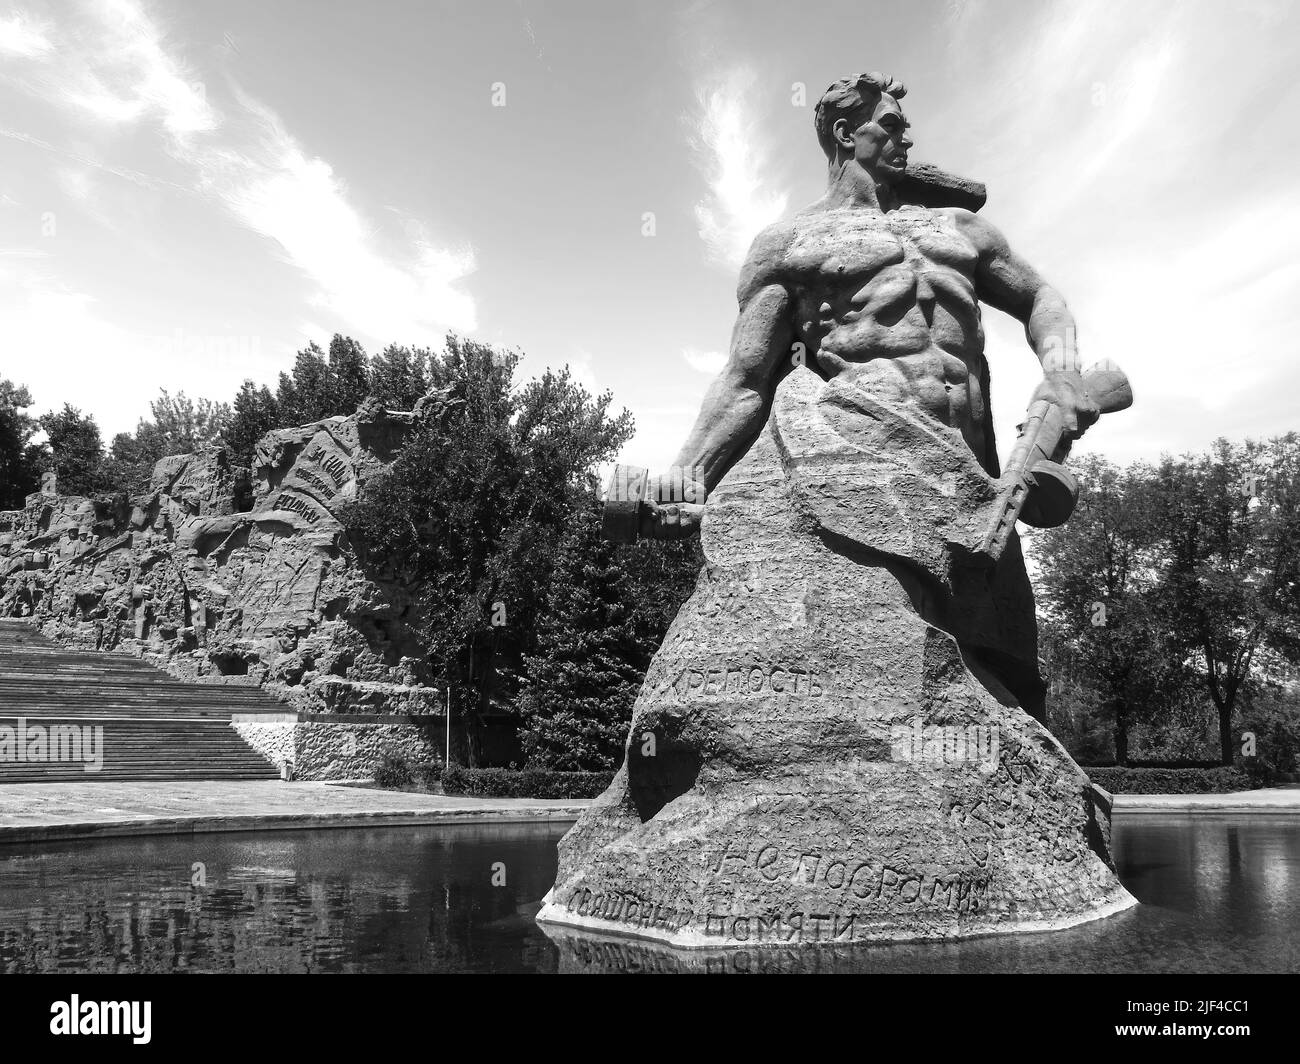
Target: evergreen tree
606, 614
309, 398
287, 405
578, 689
349, 376
255, 414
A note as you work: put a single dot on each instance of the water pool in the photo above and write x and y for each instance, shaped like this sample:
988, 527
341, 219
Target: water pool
1219, 894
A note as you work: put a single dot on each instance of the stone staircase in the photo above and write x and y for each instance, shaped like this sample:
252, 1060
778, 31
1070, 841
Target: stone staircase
155, 727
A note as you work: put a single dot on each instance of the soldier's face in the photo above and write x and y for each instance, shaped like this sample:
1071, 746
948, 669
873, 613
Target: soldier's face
881, 143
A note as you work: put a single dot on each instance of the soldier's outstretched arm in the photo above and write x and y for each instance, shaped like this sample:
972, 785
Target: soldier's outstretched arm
737, 403
1006, 281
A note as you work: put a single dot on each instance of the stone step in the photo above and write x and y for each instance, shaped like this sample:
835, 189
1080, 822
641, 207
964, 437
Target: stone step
80, 685
74, 774
155, 727
109, 693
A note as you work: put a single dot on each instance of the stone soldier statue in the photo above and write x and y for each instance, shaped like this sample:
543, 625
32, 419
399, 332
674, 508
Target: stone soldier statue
794, 752
885, 298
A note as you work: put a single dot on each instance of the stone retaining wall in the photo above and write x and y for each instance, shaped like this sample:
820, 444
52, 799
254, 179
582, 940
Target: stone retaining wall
328, 750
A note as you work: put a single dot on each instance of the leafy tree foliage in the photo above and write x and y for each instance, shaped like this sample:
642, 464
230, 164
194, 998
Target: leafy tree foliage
1175, 589
1270, 722
76, 451
187, 425
478, 511
1232, 527
1102, 604
21, 460
132, 456
399, 376
177, 425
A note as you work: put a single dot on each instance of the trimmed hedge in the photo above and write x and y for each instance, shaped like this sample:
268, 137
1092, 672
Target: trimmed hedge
523, 783
1219, 780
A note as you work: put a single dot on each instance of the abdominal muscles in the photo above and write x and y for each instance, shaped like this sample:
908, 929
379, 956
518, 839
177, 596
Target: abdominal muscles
934, 365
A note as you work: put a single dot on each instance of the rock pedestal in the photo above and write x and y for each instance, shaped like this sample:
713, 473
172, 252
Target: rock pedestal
829, 747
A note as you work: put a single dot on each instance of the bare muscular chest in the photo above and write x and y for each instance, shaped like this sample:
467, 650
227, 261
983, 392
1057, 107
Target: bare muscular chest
843, 261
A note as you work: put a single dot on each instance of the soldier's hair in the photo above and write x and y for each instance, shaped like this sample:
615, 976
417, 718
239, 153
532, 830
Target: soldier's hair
847, 98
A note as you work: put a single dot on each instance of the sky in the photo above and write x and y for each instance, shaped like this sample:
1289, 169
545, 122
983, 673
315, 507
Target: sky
190, 192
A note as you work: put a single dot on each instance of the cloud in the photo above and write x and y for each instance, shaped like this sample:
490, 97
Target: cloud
125, 173
1102, 139
660, 432
19, 36
70, 352
120, 72
580, 363
299, 202
732, 152
710, 362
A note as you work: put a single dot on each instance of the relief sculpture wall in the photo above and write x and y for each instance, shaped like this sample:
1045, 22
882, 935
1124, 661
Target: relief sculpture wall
231, 575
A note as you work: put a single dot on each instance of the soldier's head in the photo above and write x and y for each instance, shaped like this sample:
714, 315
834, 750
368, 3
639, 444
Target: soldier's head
860, 118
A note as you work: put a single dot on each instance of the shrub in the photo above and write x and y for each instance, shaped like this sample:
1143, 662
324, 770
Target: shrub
394, 772
1218, 780
523, 783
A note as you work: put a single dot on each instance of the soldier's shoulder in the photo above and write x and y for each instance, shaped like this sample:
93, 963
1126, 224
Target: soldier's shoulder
765, 262
975, 227
958, 215
772, 241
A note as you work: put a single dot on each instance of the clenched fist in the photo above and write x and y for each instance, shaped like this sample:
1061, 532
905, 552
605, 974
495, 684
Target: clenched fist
674, 506
1068, 392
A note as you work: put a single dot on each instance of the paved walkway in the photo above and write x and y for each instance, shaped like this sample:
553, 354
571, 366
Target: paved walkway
1272, 800
36, 812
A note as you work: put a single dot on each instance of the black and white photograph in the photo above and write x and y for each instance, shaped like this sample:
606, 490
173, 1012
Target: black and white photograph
636, 487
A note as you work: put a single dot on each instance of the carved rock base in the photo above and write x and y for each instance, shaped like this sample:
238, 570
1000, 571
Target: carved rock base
812, 760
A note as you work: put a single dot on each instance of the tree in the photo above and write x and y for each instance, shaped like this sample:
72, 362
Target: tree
305, 396
75, 449
20, 459
578, 689
349, 376
131, 458
1106, 626
474, 510
1270, 721
399, 376
178, 425
607, 611
322, 386
287, 403
186, 425
1075, 711
1232, 522
255, 414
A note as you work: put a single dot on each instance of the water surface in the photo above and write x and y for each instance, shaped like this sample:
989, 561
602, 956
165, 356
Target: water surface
1219, 894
